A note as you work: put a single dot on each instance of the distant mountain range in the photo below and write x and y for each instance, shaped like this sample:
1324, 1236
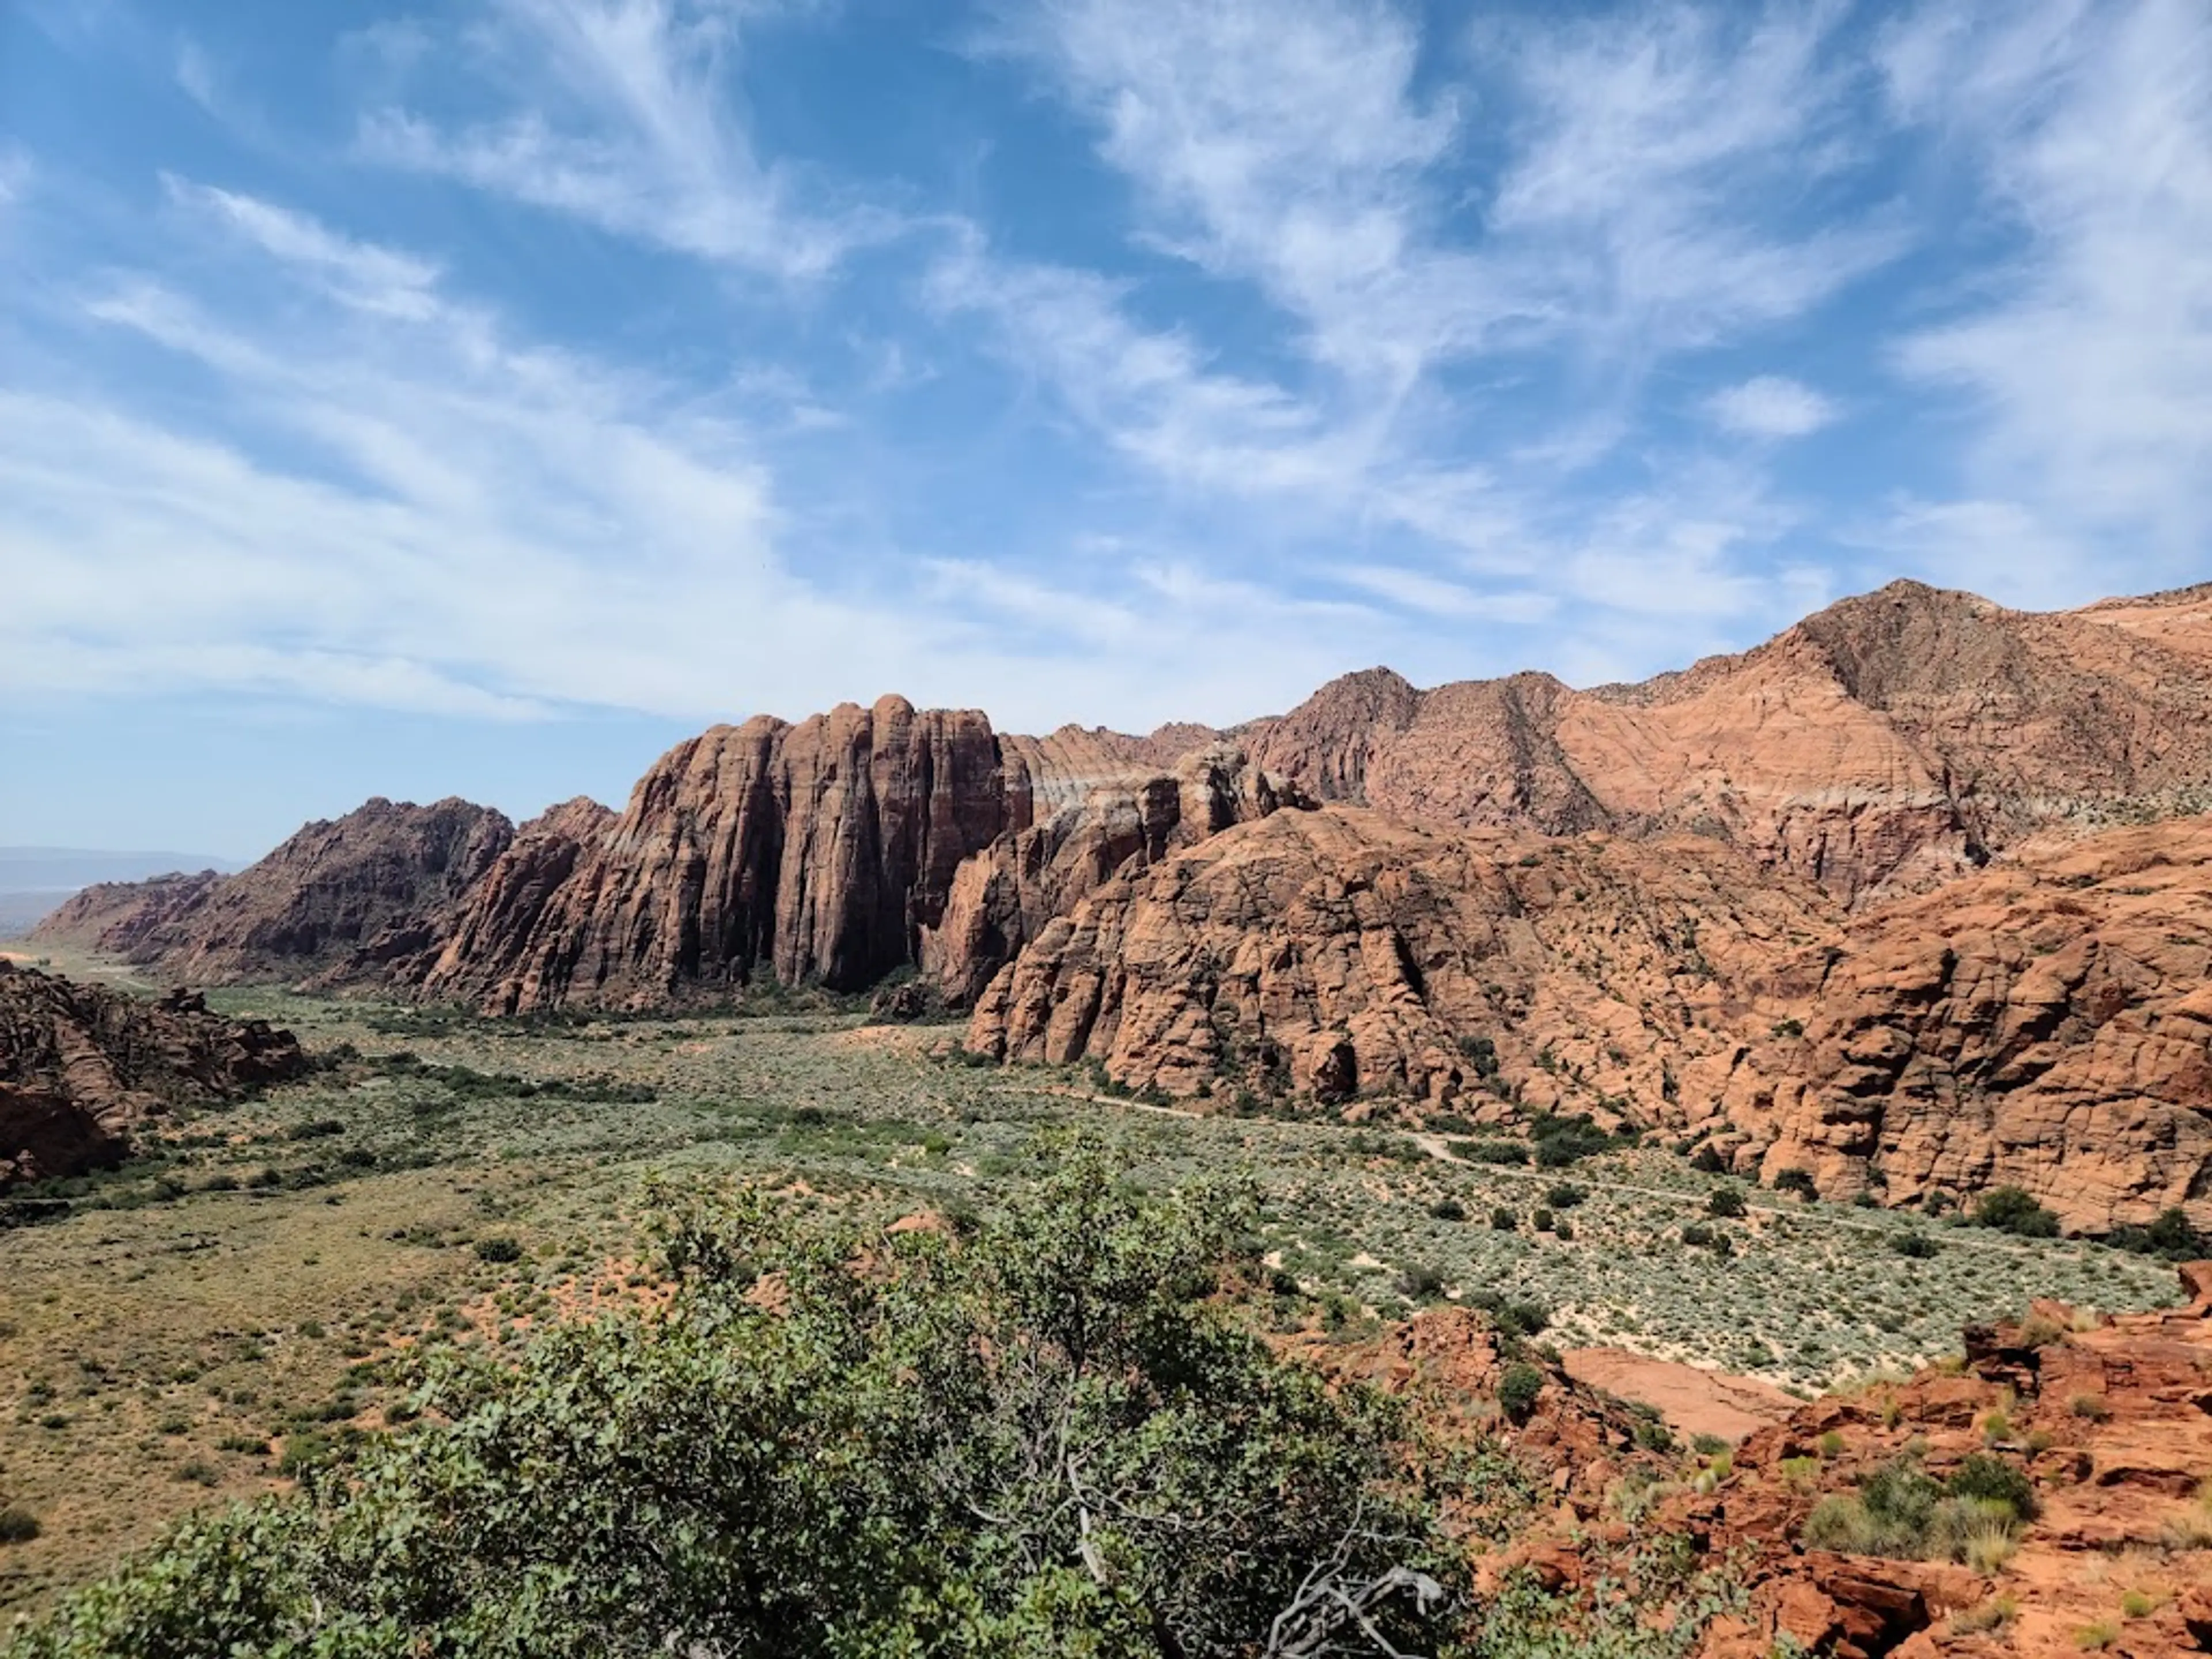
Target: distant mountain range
1906, 903
35, 880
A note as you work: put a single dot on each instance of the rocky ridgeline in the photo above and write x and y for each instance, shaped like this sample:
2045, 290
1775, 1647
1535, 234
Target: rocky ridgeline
339, 901
81, 1064
1902, 898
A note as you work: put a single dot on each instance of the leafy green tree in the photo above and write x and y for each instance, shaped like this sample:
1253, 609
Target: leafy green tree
1046, 1439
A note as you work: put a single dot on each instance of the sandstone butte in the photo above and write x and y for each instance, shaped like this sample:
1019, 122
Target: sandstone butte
2104, 1416
81, 1065
1862, 901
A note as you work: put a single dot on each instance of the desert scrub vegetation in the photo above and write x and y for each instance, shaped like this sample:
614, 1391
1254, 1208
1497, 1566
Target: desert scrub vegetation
1974, 1517
1039, 1439
192, 1287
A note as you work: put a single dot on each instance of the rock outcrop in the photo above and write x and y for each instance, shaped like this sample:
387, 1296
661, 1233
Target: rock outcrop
1338, 952
2105, 1420
2100, 1423
1003, 897
1887, 744
818, 854
2045, 1023
386, 871
81, 1064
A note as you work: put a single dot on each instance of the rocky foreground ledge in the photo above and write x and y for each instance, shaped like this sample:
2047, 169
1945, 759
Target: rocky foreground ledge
2099, 1428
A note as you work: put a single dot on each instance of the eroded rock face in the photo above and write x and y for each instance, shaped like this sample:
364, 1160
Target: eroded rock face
2045, 1023
1341, 951
80, 1065
1002, 897
1889, 744
2117, 1479
818, 853
385, 870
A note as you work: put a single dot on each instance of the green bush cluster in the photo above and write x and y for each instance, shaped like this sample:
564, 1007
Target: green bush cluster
1900, 1510
2013, 1210
1044, 1440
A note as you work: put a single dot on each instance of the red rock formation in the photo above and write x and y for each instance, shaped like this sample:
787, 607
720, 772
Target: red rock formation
505, 905
1068, 764
2045, 1023
382, 870
818, 853
2108, 1422
1890, 742
117, 918
1338, 951
1004, 895
1692, 1399
80, 1065
2105, 1419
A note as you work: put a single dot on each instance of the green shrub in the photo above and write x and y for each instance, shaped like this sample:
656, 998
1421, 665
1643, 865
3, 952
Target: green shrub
1541, 1220
1898, 1511
1447, 1209
1518, 1388
1420, 1282
1726, 1202
2013, 1210
2170, 1236
17, 1525
1984, 1476
1490, 1152
1918, 1247
1516, 1318
1565, 1196
499, 1249
923, 1460
1503, 1220
1796, 1181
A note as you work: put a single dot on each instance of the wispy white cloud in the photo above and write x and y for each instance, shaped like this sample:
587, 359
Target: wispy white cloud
1283, 145
632, 124
1662, 163
2091, 369
466, 523
1769, 406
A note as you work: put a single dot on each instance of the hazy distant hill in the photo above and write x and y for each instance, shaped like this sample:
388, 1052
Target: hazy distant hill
34, 880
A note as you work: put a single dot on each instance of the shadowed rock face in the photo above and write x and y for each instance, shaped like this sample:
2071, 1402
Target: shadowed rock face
1888, 744
385, 873
80, 1065
817, 853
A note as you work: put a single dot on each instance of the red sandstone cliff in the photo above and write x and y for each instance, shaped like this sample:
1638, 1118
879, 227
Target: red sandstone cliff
817, 853
1889, 743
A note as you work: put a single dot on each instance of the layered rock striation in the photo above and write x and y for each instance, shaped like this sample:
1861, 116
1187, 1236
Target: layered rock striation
818, 853
81, 1065
1009, 892
2045, 1023
1341, 952
1887, 744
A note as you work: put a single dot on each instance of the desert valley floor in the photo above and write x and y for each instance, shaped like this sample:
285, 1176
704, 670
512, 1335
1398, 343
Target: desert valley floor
258, 1284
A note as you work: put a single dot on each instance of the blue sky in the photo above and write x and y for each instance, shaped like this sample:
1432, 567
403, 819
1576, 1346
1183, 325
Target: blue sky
476, 399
